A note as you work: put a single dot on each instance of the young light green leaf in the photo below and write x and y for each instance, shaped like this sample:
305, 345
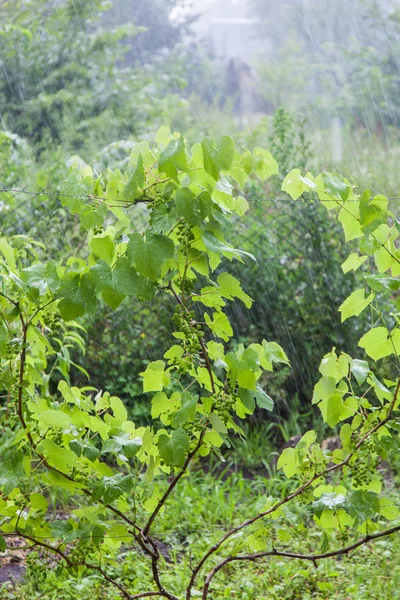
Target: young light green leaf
154, 377
57, 456
377, 343
230, 288
102, 247
372, 213
355, 304
119, 281
264, 164
54, 418
353, 262
294, 184
360, 370
219, 325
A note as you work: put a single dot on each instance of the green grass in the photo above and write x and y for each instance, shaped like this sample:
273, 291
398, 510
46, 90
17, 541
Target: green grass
204, 506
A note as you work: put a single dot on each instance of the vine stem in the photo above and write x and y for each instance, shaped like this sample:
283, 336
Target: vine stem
191, 454
309, 557
291, 496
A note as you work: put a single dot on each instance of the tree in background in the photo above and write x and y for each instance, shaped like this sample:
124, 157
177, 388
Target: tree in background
64, 81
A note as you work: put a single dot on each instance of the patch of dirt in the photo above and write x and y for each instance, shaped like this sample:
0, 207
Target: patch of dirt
12, 561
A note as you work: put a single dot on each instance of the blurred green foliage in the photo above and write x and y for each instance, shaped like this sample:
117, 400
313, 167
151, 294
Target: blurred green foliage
340, 59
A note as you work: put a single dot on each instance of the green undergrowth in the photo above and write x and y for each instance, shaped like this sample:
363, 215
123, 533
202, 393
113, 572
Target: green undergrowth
201, 509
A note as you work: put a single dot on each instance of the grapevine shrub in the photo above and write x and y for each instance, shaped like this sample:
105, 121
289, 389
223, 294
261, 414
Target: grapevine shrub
161, 226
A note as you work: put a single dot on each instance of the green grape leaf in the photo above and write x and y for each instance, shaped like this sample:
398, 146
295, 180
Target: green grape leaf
77, 296
270, 352
119, 411
335, 409
353, 262
59, 457
336, 186
154, 377
112, 488
230, 288
217, 156
243, 366
219, 325
355, 304
149, 255
381, 282
363, 505
122, 443
119, 281
42, 276
54, 418
75, 192
102, 247
264, 164
173, 158
217, 423
8, 252
213, 244
289, 462
173, 449
349, 218
377, 343
193, 209
360, 370
11, 470
295, 185
187, 411
372, 212
133, 189
81, 447
249, 397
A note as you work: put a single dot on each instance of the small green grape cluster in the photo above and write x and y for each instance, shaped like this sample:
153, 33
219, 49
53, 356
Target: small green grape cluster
80, 553
35, 567
185, 235
191, 427
223, 405
98, 230
185, 322
363, 468
186, 286
12, 350
156, 201
307, 497
50, 320
20, 501
81, 475
55, 435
